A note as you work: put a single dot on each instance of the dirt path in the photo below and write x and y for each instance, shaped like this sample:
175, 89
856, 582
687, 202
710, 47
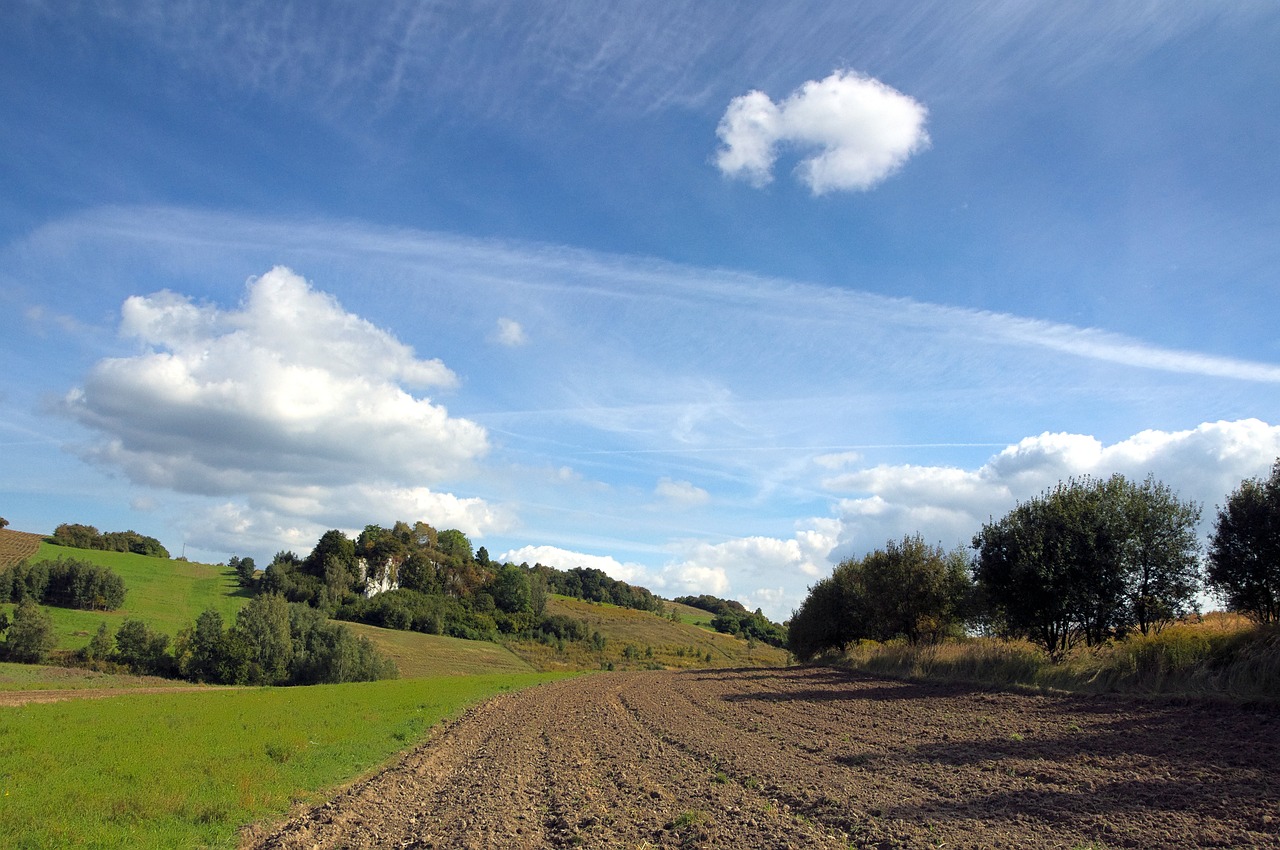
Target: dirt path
816, 758
12, 698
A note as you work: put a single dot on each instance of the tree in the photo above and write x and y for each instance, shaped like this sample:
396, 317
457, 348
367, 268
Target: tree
1162, 555
77, 536
1244, 550
262, 630
245, 569
538, 593
142, 650
333, 547
30, 634
100, 645
914, 590
1089, 559
454, 543
510, 589
1053, 566
202, 650
4, 523
907, 589
830, 617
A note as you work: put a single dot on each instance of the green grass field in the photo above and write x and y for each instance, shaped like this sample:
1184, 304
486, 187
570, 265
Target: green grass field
692, 616
38, 677
192, 769
167, 594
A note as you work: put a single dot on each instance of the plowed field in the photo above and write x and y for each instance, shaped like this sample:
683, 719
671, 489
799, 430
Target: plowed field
17, 546
816, 758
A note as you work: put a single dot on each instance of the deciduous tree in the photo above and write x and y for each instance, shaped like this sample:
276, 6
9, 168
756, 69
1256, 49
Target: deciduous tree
1244, 550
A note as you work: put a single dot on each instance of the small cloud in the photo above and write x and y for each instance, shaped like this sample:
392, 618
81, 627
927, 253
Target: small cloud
863, 130
39, 319
681, 493
510, 333
838, 460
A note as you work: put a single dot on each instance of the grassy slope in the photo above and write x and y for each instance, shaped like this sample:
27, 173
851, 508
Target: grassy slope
693, 616
167, 594
191, 769
435, 655
37, 677
674, 645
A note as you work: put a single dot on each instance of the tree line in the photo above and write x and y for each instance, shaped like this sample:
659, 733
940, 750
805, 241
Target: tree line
1086, 561
87, 537
64, 582
733, 618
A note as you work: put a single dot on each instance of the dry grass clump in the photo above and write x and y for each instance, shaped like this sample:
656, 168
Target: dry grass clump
1217, 655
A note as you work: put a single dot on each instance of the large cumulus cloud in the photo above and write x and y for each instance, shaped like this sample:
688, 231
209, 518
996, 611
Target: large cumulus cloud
288, 400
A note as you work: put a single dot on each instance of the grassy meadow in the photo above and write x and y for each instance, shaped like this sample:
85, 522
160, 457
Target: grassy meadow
38, 677
418, 655
193, 769
167, 594
655, 641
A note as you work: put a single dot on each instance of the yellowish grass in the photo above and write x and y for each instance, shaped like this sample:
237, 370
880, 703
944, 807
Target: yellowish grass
418, 655
1220, 655
655, 642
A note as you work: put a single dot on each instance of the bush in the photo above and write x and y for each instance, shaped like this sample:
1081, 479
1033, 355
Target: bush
561, 627
30, 634
142, 650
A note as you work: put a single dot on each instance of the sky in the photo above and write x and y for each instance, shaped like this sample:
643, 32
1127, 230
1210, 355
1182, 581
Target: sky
707, 295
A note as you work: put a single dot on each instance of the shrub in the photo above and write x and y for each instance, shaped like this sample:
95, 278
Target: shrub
30, 634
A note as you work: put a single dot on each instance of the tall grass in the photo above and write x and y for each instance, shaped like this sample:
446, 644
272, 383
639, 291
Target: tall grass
1215, 657
191, 769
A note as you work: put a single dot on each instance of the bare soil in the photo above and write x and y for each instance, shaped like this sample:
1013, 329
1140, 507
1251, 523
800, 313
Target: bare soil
815, 757
14, 698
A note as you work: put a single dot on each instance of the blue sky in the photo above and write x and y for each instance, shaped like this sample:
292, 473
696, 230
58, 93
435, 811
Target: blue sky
706, 295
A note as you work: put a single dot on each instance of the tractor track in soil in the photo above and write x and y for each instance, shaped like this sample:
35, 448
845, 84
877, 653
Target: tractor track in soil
815, 757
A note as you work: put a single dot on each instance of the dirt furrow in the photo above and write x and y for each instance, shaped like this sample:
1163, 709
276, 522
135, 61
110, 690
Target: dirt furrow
817, 758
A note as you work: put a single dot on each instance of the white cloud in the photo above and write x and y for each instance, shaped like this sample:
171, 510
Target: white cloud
681, 494
724, 565
288, 390
510, 333
863, 130
565, 559
949, 505
295, 518
298, 410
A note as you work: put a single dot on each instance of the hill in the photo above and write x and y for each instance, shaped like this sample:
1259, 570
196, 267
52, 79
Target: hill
637, 640
170, 594
418, 655
167, 594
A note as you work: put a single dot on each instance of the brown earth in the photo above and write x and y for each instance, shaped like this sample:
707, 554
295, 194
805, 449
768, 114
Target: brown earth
12, 698
16, 546
816, 757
